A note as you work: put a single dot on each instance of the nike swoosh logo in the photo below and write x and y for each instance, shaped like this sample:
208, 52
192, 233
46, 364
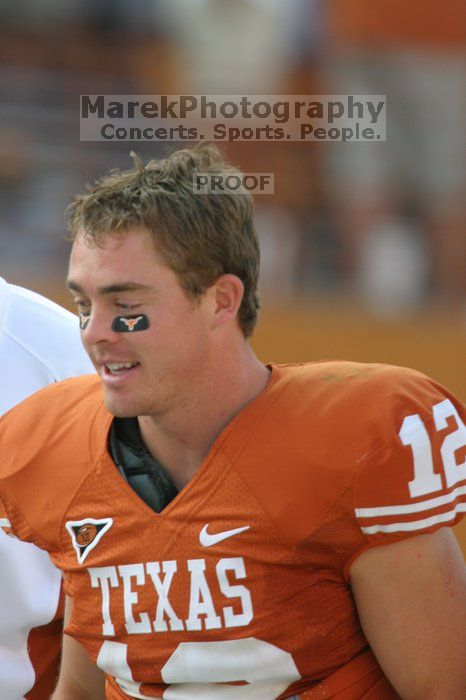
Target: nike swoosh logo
207, 540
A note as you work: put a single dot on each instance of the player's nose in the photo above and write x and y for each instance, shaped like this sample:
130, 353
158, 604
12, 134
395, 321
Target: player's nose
97, 328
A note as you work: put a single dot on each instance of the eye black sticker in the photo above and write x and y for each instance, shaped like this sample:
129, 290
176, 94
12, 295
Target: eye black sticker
83, 320
130, 324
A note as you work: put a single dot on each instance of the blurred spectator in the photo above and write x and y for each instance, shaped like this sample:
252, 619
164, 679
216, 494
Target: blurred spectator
278, 237
415, 54
247, 47
231, 47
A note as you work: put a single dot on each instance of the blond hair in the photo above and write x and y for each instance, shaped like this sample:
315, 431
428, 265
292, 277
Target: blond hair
199, 236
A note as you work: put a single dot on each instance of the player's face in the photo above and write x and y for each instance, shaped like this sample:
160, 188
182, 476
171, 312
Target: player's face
144, 372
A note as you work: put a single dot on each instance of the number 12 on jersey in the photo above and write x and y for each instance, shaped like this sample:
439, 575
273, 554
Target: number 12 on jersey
413, 433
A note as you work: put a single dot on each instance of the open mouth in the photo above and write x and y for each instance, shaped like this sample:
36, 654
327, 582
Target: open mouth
118, 368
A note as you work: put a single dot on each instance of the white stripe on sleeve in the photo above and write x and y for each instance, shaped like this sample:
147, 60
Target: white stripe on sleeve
415, 524
428, 504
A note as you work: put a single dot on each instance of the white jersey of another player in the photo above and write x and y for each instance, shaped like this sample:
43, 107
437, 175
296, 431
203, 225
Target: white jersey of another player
39, 344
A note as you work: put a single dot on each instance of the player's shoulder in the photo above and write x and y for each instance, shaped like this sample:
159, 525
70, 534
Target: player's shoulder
49, 442
50, 426
68, 403
48, 333
357, 407
346, 377
334, 429
359, 391
387, 443
342, 407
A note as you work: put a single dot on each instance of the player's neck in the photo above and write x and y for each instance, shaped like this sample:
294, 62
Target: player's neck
181, 440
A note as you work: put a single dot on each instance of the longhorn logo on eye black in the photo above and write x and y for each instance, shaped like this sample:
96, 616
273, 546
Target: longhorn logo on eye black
83, 320
130, 324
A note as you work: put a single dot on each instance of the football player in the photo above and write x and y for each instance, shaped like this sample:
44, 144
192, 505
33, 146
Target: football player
228, 529
39, 345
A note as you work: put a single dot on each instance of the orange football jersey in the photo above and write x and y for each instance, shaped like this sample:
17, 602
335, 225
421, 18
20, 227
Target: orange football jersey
239, 588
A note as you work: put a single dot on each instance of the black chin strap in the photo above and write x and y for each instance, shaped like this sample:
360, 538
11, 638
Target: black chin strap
137, 466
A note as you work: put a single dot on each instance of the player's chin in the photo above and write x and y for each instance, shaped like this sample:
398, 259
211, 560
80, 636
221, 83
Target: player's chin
118, 406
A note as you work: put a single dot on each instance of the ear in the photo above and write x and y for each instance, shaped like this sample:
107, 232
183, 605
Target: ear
227, 294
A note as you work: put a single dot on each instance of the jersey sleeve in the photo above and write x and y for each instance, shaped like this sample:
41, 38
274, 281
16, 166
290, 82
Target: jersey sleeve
23, 489
416, 482
46, 443
15, 525
5, 522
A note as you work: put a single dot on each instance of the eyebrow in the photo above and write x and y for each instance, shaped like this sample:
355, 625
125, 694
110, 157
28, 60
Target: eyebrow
111, 288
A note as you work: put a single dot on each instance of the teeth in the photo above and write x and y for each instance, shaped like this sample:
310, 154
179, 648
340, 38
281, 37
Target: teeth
115, 367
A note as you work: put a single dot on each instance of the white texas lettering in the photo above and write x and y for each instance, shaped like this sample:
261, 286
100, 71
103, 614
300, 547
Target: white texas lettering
233, 619
103, 576
162, 588
130, 598
200, 600
201, 613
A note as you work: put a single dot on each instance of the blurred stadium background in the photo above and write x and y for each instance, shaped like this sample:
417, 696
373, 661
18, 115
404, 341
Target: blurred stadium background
364, 247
